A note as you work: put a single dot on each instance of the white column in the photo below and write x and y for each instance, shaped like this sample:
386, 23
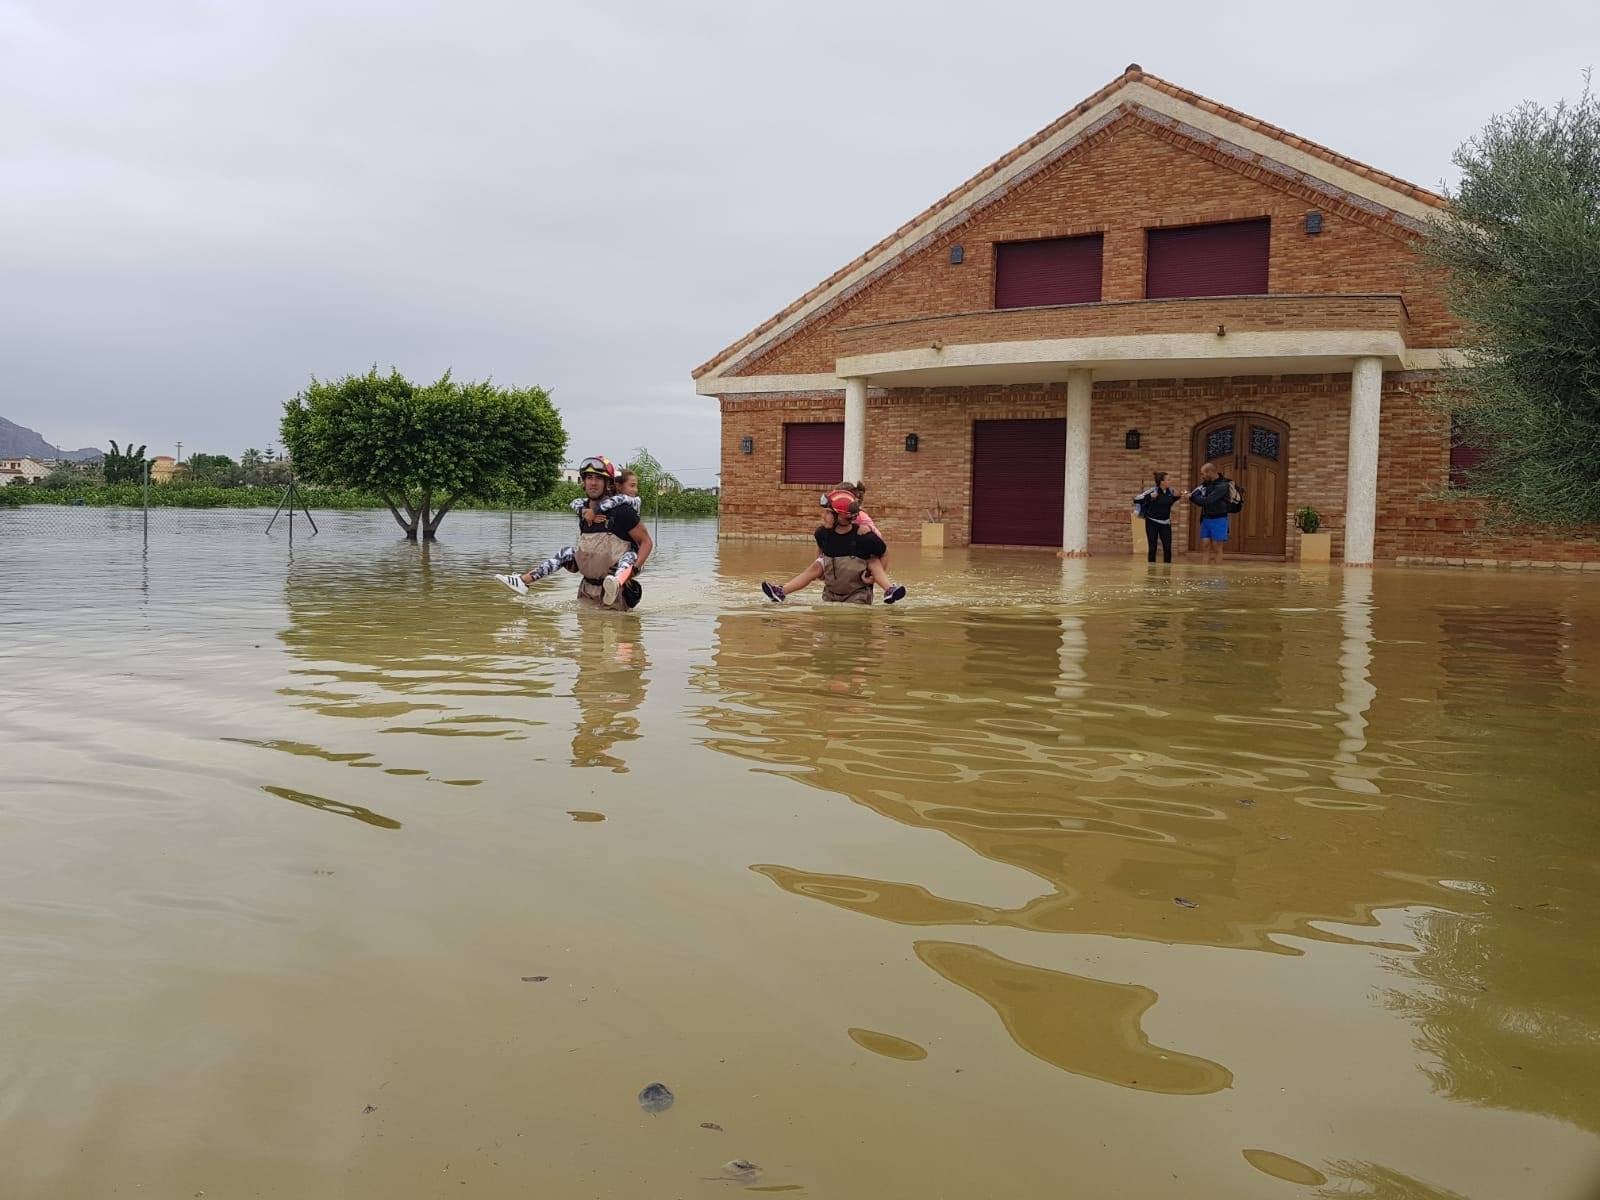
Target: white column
1075, 504
1361, 467
855, 428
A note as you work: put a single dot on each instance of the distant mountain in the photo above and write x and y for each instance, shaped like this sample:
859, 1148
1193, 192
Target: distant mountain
18, 442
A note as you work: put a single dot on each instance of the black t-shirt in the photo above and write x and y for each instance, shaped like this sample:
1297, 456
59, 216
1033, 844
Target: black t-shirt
619, 521
1212, 497
854, 544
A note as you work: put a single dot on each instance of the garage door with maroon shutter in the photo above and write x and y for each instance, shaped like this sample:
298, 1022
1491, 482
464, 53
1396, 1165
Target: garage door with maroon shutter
1018, 482
1207, 260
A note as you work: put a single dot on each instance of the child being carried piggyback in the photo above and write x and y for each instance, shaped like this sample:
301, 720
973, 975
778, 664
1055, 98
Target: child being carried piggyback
849, 532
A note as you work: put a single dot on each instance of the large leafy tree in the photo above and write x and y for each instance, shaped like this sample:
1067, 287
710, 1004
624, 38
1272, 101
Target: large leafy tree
124, 466
1521, 245
423, 449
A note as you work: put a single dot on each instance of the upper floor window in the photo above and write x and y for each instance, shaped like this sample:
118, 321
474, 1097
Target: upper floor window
1054, 271
1207, 260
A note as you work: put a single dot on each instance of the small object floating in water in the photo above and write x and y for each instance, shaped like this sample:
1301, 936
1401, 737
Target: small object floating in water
581, 815
1181, 902
535, 978
1246, 802
371, 1108
742, 1170
711, 1125
657, 1097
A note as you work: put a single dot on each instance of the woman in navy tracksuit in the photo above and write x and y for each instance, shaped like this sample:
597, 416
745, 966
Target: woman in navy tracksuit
1155, 506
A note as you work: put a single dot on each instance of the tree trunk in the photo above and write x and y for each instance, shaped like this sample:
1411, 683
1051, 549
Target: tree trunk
410, 526
433, 525
424, 526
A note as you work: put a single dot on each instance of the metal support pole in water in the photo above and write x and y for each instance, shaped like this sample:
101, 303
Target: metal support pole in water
146, 503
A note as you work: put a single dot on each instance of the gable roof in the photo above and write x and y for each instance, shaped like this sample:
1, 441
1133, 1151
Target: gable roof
1236, 134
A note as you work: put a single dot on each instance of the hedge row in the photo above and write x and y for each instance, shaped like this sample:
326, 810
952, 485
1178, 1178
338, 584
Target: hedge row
205, 495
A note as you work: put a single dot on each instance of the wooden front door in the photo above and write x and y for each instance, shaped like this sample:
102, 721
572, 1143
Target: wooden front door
1253, 451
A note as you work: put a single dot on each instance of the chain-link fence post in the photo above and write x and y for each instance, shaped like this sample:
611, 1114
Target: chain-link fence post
145, 502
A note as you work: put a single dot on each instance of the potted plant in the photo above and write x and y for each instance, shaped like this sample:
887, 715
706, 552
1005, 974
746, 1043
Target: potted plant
933, 526
1315, 547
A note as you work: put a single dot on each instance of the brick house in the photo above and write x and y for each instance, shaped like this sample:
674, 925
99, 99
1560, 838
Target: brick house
1150, 282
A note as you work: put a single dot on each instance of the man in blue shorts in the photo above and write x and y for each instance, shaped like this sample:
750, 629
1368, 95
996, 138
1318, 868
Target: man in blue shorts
1215, 495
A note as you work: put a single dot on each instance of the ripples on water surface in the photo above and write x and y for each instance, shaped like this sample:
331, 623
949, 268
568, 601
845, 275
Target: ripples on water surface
337, 871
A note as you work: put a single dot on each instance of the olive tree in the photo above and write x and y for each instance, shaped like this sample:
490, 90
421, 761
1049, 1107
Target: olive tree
423, 449
1521, 248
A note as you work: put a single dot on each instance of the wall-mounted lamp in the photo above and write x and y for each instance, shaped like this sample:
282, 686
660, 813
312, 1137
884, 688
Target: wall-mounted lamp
911, 443
958, 255
1313, 222
747, 445
1130, 440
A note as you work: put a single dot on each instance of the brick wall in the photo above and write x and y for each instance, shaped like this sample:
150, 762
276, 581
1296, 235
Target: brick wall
1416, 517
1130, 176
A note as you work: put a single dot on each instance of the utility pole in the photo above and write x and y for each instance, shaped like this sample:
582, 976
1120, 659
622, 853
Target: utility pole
180, 452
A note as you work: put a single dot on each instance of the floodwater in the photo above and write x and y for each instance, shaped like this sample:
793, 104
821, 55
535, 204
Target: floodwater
334, 870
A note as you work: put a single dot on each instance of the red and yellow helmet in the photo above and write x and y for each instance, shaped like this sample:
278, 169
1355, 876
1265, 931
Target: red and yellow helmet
842, 502
597, 464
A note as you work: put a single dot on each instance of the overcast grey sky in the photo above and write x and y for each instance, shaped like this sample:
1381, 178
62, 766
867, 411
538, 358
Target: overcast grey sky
204, 204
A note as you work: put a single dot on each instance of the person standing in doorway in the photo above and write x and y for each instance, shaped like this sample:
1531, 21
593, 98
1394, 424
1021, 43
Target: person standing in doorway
1216, 497
1154, 504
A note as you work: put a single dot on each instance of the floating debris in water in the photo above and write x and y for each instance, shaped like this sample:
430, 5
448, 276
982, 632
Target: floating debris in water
371, 1108
1181, 902
741, 1169
657, 1097
712, 1125
1246, 802
535, 978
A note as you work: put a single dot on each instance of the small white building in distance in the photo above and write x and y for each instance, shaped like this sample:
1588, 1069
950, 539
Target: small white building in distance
22, 470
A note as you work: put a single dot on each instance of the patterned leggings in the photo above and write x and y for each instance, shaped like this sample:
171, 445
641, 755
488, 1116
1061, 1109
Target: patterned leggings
567, 557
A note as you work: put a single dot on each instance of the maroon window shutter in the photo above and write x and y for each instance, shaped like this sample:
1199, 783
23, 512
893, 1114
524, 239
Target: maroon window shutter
814, 453
1057, 271
1464, 459
1018, 482
1207, 260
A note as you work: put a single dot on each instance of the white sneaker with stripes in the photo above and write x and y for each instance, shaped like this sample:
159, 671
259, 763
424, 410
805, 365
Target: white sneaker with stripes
514, 582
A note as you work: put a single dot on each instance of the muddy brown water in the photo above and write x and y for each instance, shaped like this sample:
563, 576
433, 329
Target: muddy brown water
892, 896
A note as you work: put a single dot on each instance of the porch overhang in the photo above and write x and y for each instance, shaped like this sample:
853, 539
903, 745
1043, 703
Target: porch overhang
1204, 337
1140, 339
1146, 356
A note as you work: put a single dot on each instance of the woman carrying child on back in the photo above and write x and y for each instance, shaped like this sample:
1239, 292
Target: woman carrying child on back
850, 555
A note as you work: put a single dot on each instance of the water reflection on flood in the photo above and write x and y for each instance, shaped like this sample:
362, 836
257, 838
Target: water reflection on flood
1059, 878
1084, 1026
1293, 769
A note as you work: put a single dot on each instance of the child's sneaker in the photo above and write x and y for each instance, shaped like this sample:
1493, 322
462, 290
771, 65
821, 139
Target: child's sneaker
773, 591
608, 589
897, 592
514, 582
